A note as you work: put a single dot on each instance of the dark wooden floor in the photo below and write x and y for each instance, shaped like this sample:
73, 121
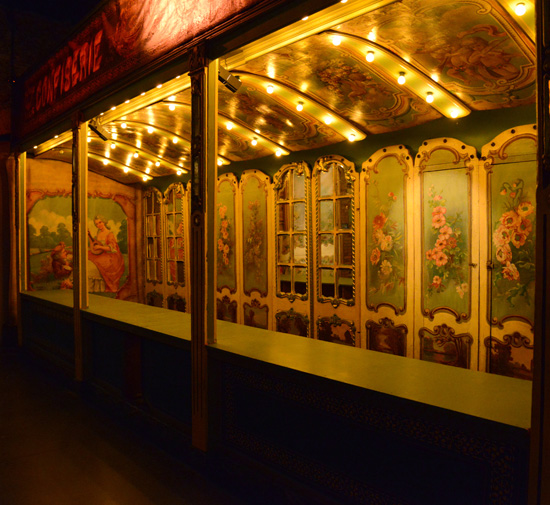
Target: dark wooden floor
57, 448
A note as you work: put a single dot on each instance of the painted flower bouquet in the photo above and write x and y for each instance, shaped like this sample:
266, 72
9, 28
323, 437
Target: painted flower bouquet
225, 244
253, 254
448, 254
514, 242
387, 242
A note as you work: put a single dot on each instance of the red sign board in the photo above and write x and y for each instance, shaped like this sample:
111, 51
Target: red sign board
122, 37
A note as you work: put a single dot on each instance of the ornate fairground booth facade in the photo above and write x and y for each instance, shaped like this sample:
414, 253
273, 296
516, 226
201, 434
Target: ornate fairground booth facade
307, 235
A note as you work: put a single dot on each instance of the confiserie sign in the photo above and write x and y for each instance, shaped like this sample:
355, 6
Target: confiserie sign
123, 36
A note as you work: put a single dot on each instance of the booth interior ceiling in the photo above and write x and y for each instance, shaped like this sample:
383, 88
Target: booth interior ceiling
401, 65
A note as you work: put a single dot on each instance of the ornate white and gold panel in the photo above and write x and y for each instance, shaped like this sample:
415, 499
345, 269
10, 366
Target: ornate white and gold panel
227, 230
154, 250
176, 240
386, 244
292, 300
447, 253
508, 179
336, 302
256, 195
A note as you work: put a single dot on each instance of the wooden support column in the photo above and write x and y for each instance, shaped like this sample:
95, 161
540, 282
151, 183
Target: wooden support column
21, 231
204, 172
539, 470
80, 250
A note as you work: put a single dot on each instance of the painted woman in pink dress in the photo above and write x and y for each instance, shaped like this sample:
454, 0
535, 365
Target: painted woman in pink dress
105, 254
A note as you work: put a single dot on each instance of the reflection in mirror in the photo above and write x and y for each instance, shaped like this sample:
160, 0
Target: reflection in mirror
300, 280
299, 185
326, 246
326, 182
327, 282
284, 277
283, 193
345, 284
345, 186
299, 248
284, 217
326, 218
345, 249
284, 248
299, 216
344, 213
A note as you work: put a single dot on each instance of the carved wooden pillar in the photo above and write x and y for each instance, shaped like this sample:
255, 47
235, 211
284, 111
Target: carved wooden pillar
80, 251
204, 171
19, 197
539, 479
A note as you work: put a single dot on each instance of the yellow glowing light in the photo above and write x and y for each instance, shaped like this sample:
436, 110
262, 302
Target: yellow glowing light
113, 145
220, 162
178, 172
352, 136
89, 139
105, 162
336, 40
157, 163
454, 113
305, 18
136, 154
300, 106
229, 126
150, 129
278, 152
35, 147
159, 86
114, 136
172, 98
127, 101
429, 97
144, 177
370, 56
142, 94
401, 79
147, 170
126, 170
270, 89
328, 119
113, 108
123, 125
372, 36
343, 1
435, 77
56, 136
520, 9
175, 140
254, 141
138, 143
172, 106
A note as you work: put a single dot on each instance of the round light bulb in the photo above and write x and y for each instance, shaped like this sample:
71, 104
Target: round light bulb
150, 129
270, 89
352, 137
113, 145
278, 152
172, 106
328, 120
126, 170
105, 162
370, 56
123, 125
178, 172
175, 140
435, 77
147, 170
229, 126
401, 79
254, 141
220, 162
136, 154
520, 9
429, 97
144, 177
454, 113
300, 106
89, 139
336, 40
305, 18
157, 163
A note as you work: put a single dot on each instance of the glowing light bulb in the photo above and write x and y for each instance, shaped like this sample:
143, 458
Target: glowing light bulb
254, 141
144, 177
126, 170
372, 36
220, 162
343, 1
136, 154
113, 108
159, 86
305, 18
429, 97
105, 162
35, 147
435, 77
229, 126
172, 98
172, 106
178, 172
328, 119
300, 106
454, 113
147, 170
278, 152
270, 89
89, 139
370, 56
150, 129
127, 101
352, 136
336, 40
520, 9
56, 136
401, 79
123, 125
157, 163
138, 143
113, 145
175, 140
